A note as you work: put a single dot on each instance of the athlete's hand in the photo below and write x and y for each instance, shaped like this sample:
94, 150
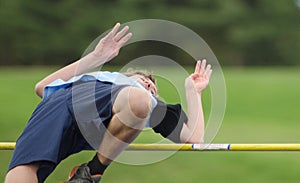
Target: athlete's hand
199, 80
109, 46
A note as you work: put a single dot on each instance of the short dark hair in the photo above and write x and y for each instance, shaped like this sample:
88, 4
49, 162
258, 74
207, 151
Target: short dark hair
145, 73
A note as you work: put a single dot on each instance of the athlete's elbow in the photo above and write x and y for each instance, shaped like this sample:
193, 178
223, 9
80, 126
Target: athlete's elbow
195, 141
190, 136
192, 139
39, 88
195, 137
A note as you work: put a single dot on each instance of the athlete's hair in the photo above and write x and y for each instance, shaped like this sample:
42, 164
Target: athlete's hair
145, 73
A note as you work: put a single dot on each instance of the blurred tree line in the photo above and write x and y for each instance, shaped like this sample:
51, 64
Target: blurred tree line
240, 32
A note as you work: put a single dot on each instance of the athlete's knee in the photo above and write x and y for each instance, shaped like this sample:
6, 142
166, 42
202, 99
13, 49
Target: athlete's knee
22, 173
139, 102
132, 106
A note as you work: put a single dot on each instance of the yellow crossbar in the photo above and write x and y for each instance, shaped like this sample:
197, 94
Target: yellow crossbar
195, 147
7, 145
264, 147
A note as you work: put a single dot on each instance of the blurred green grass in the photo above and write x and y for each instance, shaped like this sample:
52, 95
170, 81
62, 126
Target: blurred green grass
262, 107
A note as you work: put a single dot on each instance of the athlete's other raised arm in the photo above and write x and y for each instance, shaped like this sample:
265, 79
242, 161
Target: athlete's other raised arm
107, 48
193, 130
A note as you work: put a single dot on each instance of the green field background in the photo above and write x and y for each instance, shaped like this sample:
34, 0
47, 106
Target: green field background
262, 107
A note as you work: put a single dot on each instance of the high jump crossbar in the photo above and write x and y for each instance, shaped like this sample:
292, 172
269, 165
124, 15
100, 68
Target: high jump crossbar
195, 147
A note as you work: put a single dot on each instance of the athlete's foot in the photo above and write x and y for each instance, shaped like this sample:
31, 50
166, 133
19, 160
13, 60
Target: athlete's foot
82, 174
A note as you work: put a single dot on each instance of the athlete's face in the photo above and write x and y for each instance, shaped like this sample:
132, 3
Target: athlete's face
147, 83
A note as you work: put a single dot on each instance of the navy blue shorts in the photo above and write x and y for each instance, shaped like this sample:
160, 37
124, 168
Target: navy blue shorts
52, 133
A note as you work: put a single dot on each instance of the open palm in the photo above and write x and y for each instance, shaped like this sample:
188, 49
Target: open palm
109, 46
199, 80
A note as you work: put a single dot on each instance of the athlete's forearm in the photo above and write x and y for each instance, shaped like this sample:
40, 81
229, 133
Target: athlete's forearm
79, 67
193, 130
106, 49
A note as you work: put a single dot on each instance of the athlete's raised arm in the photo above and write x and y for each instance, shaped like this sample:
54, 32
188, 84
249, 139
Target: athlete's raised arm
193, 130
107, 48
